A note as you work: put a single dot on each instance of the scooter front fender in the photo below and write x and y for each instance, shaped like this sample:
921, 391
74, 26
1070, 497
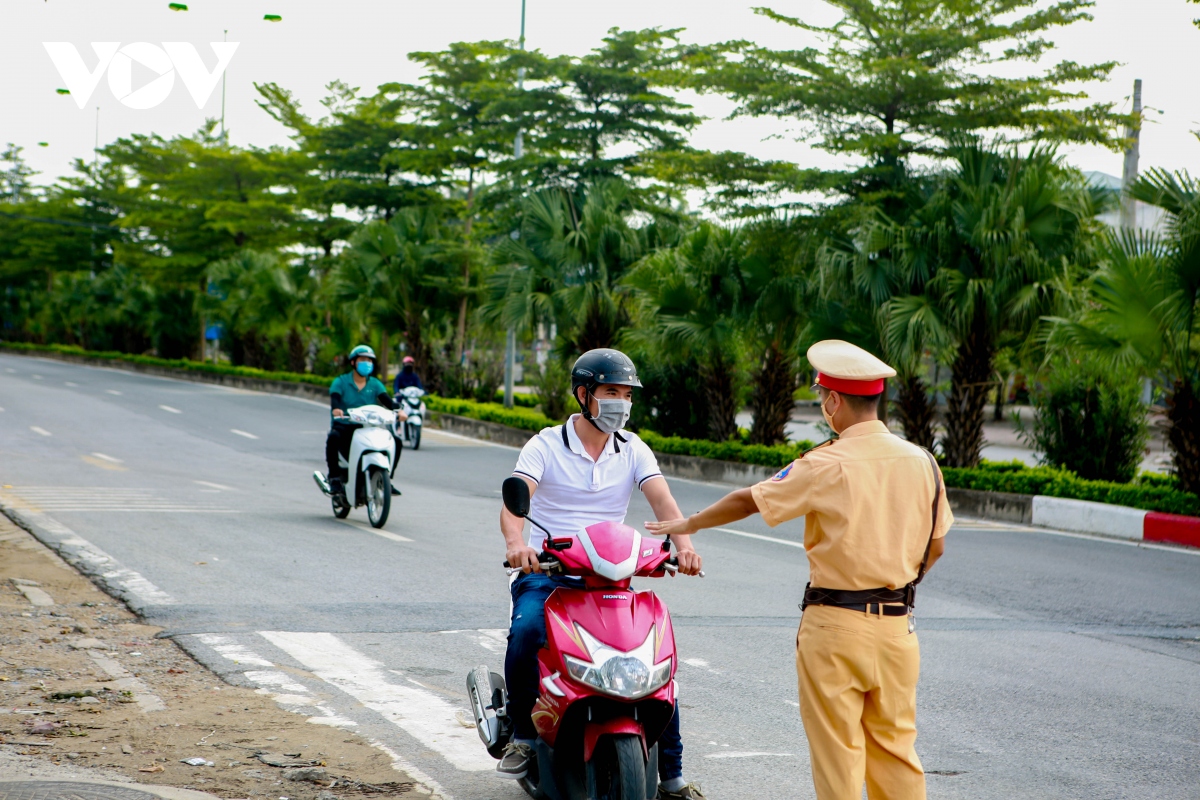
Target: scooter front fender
375, 459
594, 730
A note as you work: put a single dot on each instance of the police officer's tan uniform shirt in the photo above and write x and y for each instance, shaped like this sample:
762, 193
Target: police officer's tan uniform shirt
867, 500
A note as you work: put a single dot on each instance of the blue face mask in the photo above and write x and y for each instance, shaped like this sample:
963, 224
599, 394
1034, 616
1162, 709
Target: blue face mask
364, 368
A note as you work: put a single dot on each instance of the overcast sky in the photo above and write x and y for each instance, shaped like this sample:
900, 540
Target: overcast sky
365, 42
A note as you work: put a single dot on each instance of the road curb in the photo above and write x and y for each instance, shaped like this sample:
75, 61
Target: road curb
67, 789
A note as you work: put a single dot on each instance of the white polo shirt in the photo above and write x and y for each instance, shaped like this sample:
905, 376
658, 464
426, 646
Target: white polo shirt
573, 491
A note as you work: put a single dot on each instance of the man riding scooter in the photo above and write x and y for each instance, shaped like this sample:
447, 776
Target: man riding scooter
355, 389
581, 473
407, 376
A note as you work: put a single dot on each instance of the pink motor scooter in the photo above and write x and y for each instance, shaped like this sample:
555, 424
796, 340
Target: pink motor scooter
606, 672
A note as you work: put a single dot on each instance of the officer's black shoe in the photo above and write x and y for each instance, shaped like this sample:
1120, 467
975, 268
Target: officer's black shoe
395, 491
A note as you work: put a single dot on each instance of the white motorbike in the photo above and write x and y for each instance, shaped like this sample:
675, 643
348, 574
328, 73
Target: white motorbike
409, 398
372, 462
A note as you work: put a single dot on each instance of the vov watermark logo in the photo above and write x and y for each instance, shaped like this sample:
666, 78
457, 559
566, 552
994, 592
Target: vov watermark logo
165, 61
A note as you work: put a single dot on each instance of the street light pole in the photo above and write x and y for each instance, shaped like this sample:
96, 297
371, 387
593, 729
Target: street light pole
510, 339
1130, 172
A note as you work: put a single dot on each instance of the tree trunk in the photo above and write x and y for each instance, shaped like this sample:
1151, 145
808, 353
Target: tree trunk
971, 377
719, 396
772, 402
461, 336
383, 356
998, 413
295, 351
915, 411
1183, 410
418, 348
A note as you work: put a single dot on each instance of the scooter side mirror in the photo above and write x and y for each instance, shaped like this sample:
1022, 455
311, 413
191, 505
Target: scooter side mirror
516, 496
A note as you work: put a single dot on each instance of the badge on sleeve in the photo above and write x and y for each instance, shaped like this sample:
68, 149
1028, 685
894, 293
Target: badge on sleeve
783, 473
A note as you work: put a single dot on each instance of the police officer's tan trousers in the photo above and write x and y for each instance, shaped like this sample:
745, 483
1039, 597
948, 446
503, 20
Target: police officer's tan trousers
858, 701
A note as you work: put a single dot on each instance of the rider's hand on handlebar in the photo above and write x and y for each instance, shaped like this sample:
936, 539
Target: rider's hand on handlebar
337, 412
690, 562
524, 558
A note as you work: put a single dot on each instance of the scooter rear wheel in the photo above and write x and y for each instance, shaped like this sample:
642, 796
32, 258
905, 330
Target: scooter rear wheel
617, 770
379, 496
341, 509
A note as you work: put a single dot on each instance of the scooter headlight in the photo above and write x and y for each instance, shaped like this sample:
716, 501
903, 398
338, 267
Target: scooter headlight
628, 675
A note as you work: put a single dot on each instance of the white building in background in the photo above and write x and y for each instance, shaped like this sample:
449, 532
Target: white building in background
1149, 218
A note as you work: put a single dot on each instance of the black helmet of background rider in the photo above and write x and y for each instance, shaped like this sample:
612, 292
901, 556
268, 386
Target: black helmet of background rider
596, 368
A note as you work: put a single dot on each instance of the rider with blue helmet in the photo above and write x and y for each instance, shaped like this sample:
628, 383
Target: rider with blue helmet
358, 387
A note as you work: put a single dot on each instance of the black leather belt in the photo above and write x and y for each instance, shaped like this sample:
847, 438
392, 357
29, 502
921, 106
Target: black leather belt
888, 602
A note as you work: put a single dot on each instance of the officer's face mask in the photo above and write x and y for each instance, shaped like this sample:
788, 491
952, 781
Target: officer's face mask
828, 417
364, 368
611, 415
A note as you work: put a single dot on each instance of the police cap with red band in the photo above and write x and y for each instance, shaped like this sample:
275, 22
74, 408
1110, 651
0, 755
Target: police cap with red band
847, 368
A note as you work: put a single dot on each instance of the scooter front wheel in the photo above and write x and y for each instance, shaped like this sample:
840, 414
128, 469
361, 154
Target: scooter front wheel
617, 770
379, 496
416, 437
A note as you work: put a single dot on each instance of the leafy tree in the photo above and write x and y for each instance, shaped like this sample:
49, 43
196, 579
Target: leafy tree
14, 181
1143, 310
1001, 233
902, 78
693, 307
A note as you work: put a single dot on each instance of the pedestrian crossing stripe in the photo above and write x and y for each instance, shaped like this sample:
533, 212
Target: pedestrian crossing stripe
103, 498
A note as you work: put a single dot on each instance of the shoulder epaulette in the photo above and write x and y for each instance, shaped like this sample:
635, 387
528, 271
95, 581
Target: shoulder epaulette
825, 443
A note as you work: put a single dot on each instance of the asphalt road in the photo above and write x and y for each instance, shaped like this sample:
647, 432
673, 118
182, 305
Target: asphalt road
1055, 666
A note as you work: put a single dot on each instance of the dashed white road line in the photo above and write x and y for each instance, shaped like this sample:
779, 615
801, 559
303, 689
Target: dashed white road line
171, 409
749, 535
243, 433
37, 377
395, 537
217, 486
40, 431
112, 391
422, 714
72, 385
109, 459
752, 754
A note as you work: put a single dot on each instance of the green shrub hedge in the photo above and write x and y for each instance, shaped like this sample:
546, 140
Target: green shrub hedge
1149, 492
524, 418
777, 456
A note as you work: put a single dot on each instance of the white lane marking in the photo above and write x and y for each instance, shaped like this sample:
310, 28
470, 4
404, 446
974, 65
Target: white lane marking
172, 409
395, 537
35, 596
1, 408
749, 755
112, 391
10, 370
146, 699
422, 714
435, 789
37, 377
233, 651
219, 486
109, 459
749, 535
279, 686
40, 431
243, 433
73, 385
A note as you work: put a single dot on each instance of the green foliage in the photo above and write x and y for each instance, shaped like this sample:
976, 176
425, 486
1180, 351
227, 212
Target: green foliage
523, 418
552, 388
779, 455
1089, 420
1147, 492
521, 399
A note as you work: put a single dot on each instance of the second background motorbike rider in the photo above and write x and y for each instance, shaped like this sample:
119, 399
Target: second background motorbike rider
356, 388
581, 473
407, 376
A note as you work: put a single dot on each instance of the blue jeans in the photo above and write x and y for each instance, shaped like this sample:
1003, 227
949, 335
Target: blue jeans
526, 636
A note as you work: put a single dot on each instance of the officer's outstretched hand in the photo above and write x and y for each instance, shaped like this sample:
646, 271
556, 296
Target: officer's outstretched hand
671, 527
524, 558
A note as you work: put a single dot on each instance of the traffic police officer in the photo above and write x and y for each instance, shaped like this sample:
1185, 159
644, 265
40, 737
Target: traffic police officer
875, 520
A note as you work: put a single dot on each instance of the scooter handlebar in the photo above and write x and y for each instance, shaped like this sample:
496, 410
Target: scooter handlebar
547, 560
672, 565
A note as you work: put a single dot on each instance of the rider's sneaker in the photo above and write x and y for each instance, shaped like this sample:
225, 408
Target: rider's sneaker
336, 487
515, 761
689, 791
395, 491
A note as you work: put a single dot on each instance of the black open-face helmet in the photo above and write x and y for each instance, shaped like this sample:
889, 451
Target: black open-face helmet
600, 366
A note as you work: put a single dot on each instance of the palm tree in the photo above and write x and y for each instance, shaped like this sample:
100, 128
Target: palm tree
395, 278
692, 298
1143, 310
1002, 233
566, 264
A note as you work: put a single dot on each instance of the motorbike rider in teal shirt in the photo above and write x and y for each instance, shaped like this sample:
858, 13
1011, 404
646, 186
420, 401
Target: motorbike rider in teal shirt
356, 388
